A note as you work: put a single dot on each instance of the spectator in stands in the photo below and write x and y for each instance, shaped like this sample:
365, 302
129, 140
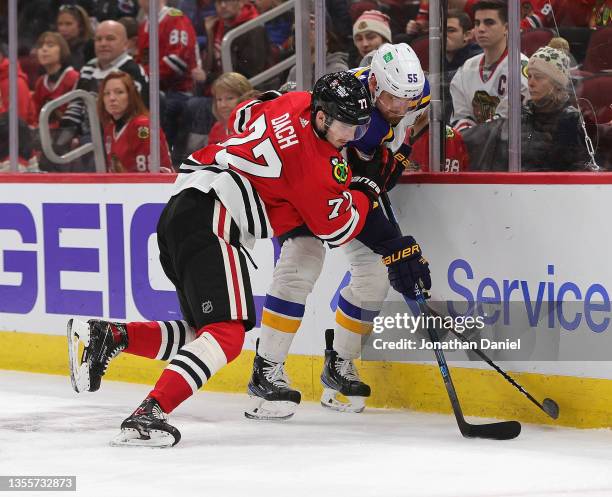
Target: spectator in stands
459, 45
178, 57
420, 25
247, 51
24, 113
127, 135
111, 55
115, 9
541, 13
227, 90
370, 31
335, 59
338, 12
197, 11
479, 88
131, 28
581, 13
53, 55
74, 25
552, 137
459, 48
278, 29
60, 77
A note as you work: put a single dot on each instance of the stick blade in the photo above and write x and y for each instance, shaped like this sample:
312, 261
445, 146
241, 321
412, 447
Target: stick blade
504, 430
551, 408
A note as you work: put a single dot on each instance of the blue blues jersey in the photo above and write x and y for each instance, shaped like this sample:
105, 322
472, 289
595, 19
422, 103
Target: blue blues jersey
379, 130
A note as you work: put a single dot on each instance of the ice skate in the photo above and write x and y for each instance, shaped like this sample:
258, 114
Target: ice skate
103, 340
339, 377
147, 426
270, 396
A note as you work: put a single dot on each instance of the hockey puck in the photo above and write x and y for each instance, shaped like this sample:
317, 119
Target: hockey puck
551, 408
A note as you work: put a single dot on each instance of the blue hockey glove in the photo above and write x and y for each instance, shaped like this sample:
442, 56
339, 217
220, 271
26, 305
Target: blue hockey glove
405, 265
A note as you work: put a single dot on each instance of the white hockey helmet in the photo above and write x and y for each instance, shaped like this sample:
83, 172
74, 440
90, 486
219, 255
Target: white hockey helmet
397, 71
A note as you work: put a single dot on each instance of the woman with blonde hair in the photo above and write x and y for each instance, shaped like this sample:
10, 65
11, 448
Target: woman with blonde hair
127, 133
227, 91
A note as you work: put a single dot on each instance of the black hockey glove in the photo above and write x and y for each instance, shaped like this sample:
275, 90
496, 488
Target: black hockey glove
405, 265
371, 176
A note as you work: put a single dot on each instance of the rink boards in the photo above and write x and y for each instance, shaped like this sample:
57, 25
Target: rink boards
78, 245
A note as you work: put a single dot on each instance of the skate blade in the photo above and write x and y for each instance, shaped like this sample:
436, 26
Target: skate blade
129, 437
330, 399
77, 331
262, 409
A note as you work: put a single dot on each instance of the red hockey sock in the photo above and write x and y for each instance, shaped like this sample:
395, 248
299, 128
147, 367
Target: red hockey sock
195, 363
144, 339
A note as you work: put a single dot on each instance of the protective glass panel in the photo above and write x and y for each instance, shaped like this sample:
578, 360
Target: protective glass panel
566, 124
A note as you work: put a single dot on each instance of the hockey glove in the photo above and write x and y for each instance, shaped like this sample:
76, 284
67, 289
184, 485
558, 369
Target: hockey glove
371, 176
405, 265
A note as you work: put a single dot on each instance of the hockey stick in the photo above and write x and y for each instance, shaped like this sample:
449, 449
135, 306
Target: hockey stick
549, 406
503, 430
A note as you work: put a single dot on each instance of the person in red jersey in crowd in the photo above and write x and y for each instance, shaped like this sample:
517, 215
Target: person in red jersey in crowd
457, 159
227, 90
178, 58
283, 169
127, 133
53, 54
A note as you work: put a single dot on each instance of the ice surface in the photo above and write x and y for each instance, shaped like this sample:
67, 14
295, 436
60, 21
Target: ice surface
47, 429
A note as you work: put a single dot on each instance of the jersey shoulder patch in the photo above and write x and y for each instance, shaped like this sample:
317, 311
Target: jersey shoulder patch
174, 12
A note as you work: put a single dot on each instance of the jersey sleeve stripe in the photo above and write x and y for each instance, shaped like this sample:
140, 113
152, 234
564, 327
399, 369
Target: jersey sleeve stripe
341, 235
172, 65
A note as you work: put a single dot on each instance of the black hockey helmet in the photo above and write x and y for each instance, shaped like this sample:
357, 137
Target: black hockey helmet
341, 96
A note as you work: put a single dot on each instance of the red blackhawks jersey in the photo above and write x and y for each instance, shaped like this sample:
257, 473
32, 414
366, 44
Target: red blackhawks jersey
277, 174
543, 13
457, 159
128, 146
46, 90
177, 49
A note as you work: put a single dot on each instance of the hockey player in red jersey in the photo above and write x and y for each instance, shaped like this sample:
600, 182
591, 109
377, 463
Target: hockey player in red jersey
400, 92
127, 136
284, 170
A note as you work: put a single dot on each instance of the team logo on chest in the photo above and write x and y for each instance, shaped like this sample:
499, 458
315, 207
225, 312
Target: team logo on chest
143, 132
339, 170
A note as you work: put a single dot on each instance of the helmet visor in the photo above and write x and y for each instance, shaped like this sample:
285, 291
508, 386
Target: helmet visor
396, 106
348, 132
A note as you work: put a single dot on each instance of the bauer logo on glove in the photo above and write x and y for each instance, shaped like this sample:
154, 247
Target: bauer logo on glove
410, 251
405, 265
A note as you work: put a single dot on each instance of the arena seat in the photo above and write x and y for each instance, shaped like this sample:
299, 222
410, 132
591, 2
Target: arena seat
535, 38
599, 52
594, 98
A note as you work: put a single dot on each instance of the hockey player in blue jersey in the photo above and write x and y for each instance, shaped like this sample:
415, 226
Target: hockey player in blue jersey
400, 92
